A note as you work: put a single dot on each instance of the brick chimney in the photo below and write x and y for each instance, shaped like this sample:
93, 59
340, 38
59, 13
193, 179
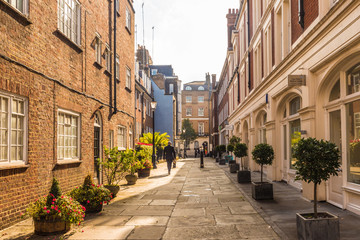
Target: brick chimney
231, 18
213, 76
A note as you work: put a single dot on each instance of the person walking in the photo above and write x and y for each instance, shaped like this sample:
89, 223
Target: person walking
170, 155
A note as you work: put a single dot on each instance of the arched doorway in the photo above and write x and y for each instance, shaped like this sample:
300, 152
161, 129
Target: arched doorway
97, 145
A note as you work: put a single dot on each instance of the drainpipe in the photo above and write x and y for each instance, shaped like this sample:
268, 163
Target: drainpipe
110, 80
248, 26
115, 70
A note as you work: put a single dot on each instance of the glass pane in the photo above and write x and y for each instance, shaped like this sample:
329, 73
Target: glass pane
285, 142
21, 107
335, 92
13, 137
4, 120
4, 153
20, 123
4, 104
14, 106
295, 136
353, 79
335, 128
61, 129
4, 137
13, 122
61, 141
294, 105
20, 135
13, 153
353, 136
61, 118
20, 153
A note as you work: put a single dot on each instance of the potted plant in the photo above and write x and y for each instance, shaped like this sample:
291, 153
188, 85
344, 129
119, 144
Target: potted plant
316, 162
263, 154
113, 167
230, 148
243, 176
54, 213
222, 149
92, 197
217, 153
143, 155
132, 164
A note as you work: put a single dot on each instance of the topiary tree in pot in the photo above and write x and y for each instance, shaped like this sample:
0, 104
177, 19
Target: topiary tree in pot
263, 154
240, 151
230, 148
222, 149
317, 160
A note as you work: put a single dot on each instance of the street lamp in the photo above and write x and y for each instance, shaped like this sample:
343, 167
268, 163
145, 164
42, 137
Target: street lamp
153, 107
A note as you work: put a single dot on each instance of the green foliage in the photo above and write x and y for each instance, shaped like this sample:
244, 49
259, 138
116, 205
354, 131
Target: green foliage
131, 163
316, 160
222, 148
160, 140
187, 132
90, 195
234, 140
230, 148
56, 206
143, 155
55, 191
113, 166
240, 150
263, 154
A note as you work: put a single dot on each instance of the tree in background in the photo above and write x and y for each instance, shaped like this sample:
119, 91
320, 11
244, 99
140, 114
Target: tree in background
187, 132
234, 140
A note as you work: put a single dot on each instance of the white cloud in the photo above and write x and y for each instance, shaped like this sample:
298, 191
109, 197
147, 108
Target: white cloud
191, 35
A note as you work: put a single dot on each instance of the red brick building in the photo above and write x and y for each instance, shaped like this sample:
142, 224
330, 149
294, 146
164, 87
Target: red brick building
65, 90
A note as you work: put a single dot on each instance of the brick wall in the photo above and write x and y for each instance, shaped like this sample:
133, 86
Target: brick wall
40, 47
311, 9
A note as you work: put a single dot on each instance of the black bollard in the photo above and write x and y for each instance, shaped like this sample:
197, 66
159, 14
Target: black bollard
201, 159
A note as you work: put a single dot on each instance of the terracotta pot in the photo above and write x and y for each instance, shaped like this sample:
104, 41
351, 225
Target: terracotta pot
113, 189
143, 173
50, 226
131, 179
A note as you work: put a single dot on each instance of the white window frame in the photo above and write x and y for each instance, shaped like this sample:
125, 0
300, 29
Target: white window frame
201, 88
188, 88
128, 77
98, 47
201, 99
154, 71
128, 19
107, 56
21, 7
201, 128
74, 31
9, 129
171, 88
78, 116
117, 71
188, 111
111, 139
123, 147
188, 99
200, 111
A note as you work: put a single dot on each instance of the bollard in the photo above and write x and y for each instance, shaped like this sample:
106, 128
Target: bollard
201, 159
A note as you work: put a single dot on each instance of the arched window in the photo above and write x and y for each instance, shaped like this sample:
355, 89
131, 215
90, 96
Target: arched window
335, 91
188, 88
201, 88
294, 105
353, 79
262, 128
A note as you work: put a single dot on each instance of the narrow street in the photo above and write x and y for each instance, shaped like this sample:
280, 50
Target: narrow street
191, 203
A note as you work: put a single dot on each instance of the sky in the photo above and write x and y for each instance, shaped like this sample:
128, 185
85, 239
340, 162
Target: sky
190, 35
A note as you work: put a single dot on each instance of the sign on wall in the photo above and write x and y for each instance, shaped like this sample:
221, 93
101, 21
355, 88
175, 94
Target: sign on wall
296, 80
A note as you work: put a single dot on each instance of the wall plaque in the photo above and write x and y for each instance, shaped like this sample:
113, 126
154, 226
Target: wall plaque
296, 80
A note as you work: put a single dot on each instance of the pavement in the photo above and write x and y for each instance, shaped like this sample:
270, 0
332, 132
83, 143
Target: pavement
194, 203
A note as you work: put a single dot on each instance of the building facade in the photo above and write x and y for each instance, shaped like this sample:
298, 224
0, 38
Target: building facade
66, 90
296, 76
196, 107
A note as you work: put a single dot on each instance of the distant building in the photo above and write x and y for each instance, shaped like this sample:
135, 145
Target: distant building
196, 107
214, 119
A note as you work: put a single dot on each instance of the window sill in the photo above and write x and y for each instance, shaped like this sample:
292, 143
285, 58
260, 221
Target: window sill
128, 89
98, 65
13, 166
16, 14
66, 162
352, 189
68, 41
128, 30
107, 73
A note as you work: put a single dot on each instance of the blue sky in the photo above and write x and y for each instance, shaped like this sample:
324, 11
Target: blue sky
191, 35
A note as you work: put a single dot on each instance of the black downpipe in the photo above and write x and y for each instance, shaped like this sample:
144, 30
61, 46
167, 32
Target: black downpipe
301, 12
110, 80
248, 25
115, 70
238, 77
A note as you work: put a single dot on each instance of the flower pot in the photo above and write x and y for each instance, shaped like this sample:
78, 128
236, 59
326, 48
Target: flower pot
262, 191
325, 227
243, 176
113, 189
143, 173
50, 226
222, 162
131, 179
234, 167
91, 208
217, 159
232, 162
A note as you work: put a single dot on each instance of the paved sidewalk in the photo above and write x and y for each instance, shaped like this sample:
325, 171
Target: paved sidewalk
280, 213
191, 203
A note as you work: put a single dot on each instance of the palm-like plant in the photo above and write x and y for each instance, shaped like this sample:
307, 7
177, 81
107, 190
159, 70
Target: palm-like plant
160, 140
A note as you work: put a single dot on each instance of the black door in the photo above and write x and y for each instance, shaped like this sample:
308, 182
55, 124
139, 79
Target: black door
96, 152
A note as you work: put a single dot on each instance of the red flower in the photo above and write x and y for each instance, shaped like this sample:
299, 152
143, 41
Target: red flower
52, 207
48, 211
59, 211
54, 200
88, 201
45, 208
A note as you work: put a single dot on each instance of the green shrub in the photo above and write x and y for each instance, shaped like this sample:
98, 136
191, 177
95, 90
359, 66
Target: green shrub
263, 154
240, 151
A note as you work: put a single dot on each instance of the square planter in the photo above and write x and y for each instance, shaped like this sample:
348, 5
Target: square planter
232, 162
324, 228
217, 159
262, 191
244, 176
222, 162
234, 167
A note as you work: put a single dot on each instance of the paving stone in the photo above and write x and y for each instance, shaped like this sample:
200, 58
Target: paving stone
239, 219
251, 231
161, 196
243, 208
216, 232
103, 232
108, 220
148, 220
150, 211
147, 232
217, 211
191, 221
230, 199
136, 202
188, 212
163, 202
